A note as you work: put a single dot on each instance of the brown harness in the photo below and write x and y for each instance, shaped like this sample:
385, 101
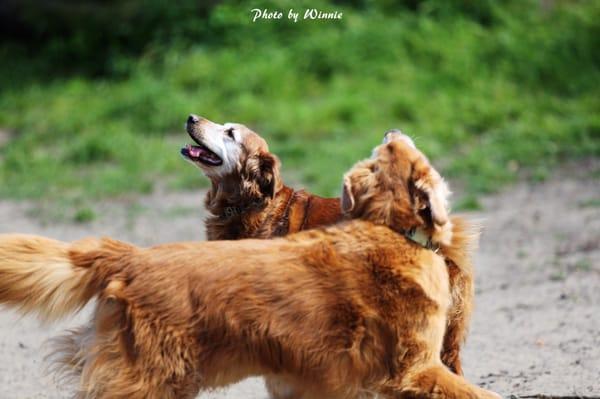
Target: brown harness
298, 201
295, 213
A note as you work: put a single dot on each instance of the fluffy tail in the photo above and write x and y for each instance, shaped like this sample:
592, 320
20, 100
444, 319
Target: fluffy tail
458, 255
464, 242
459, 258
52, 278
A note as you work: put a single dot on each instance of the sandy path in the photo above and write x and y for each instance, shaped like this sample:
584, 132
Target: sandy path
536, 328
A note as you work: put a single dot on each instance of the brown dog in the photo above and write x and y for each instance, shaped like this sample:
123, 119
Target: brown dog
348, 311
247, 199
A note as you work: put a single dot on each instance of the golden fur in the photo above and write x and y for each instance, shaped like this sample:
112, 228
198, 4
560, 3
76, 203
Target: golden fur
250, 200
347, 311
247, 198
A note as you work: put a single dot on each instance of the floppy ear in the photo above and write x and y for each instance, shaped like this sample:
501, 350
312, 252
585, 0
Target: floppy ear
347, 196
429, 182
268, 179
261, 176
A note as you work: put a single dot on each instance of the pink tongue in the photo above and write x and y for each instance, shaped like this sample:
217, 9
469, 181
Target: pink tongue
195, 151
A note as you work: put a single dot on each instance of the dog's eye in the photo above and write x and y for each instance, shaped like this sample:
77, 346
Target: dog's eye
230, 133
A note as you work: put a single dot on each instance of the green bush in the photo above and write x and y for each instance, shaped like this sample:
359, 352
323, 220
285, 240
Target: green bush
487, 89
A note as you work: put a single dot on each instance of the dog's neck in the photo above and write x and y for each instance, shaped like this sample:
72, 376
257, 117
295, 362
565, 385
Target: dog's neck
235, 216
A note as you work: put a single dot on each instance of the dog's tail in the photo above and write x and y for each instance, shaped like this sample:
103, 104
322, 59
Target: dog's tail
458, 255
464, 242
53, 278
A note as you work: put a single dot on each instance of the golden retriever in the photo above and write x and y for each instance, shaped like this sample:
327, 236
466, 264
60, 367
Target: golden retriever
349, 311
248, 199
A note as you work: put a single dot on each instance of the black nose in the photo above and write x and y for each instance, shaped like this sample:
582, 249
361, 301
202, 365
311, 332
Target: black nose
193, 119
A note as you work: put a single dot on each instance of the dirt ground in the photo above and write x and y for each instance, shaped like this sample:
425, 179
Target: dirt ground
536, 328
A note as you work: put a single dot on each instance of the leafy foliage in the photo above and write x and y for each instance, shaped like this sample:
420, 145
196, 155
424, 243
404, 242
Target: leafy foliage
486, 88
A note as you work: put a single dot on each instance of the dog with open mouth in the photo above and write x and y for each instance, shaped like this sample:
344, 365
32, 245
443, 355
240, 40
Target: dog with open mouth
343, 312
248, 199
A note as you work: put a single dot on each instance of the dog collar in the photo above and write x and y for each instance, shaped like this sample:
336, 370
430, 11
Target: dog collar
419, 236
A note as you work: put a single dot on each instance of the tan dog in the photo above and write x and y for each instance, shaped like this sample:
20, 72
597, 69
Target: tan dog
248, 199
347, 311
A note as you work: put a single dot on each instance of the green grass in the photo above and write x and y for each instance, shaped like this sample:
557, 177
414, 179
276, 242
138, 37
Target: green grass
590, 203
484, 100
584, 265
468, 203
84, 215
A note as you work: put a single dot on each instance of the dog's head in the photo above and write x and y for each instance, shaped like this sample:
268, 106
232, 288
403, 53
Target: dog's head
399, 188
233, 153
